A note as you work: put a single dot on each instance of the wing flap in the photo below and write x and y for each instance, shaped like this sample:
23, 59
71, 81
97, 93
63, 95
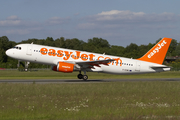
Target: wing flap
95, 65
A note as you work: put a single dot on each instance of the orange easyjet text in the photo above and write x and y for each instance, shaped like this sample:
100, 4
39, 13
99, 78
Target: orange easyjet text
77, 55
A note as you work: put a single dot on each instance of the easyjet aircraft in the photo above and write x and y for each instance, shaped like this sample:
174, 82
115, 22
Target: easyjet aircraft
66, 60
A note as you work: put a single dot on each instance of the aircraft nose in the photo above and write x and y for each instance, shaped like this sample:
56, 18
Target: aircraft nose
12, 53
8, 52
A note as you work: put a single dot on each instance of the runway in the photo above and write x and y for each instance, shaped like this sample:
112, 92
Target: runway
45, 81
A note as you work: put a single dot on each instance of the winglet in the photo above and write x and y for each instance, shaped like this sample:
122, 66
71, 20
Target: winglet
158, 52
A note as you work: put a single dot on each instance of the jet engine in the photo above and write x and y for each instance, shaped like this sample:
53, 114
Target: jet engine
63, 67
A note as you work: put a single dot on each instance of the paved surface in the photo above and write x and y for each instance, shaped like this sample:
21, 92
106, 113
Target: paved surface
42, 81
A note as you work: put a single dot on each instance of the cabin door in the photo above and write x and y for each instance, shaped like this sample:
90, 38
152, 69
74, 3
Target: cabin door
29, 50
138, 66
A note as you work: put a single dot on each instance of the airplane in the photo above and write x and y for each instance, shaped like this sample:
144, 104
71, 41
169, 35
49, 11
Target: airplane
67, 60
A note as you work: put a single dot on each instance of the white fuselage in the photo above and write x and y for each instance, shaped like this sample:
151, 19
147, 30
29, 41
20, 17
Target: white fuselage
52, 55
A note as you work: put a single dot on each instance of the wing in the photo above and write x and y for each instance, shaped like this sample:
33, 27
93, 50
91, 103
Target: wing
91, 64
87, 65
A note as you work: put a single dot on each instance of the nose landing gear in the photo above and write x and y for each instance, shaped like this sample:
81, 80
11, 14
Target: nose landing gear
84, 77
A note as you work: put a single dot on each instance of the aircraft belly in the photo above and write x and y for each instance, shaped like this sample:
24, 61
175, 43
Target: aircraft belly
118, 69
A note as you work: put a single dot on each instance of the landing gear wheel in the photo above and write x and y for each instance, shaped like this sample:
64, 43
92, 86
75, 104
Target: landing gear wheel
80, 76
85, 77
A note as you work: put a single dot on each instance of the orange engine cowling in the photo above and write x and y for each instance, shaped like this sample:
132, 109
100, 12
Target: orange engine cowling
64, 67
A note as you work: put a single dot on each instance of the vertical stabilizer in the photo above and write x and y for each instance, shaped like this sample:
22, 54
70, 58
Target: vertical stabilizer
158, 52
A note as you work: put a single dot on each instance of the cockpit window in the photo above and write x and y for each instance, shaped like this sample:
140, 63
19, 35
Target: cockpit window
16, 47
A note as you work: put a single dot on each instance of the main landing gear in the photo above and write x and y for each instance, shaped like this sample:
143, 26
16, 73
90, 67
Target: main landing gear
84, 77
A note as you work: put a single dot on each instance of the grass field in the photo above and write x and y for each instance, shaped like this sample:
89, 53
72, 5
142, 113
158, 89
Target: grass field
141, 100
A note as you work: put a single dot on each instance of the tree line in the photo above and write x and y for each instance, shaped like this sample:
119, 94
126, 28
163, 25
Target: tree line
96, 45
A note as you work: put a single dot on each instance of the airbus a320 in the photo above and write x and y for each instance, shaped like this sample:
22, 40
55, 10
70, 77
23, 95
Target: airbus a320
67, 60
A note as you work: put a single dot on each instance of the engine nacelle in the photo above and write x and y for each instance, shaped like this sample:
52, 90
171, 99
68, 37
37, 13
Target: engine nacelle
63, 67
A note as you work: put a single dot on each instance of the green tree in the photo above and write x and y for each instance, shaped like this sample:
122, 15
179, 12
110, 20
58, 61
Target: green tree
74, 44
60, 42
131, 51
172, 48
4, 45
117, 50
99, 42
142, 49
4, 42
98, 45
49, 41
178, 49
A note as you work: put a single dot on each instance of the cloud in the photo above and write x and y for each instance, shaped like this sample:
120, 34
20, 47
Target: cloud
126, 26
11, 21
129, 16
87, 26
18, 31
126, 19
13, 25
118, 15
13, 17
114, 25
15, 21
57, 20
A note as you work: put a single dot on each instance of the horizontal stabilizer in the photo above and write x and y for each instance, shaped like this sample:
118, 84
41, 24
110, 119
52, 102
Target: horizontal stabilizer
161, 68
154, 67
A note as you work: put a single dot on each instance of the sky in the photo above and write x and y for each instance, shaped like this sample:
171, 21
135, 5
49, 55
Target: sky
120, 22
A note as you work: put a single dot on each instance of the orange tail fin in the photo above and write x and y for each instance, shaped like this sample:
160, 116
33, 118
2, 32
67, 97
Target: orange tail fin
158, 52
